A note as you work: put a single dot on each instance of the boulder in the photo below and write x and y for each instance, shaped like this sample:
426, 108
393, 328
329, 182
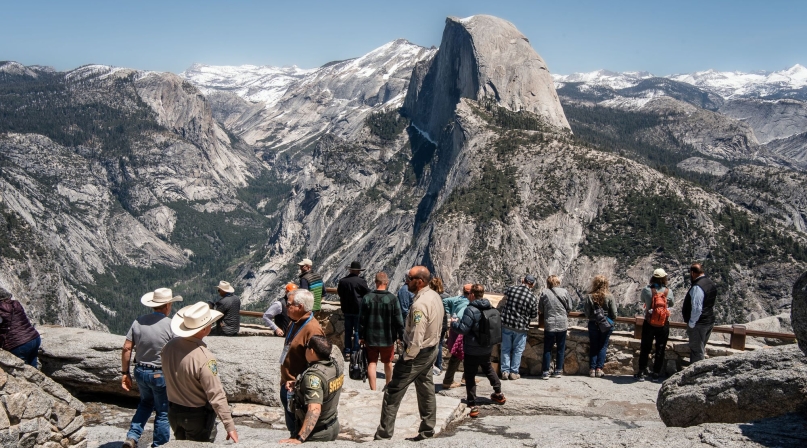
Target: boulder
736, 389
34, 411
89, 362
798, 311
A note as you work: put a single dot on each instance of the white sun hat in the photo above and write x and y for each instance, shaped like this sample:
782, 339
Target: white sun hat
159, 297
189, 320
226, 286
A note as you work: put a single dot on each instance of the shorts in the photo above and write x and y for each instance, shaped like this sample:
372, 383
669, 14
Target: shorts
386, 354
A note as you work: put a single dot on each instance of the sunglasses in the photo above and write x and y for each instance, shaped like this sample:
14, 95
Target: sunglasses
408, 279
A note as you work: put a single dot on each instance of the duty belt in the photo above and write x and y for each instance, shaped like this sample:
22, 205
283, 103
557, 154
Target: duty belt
147, 366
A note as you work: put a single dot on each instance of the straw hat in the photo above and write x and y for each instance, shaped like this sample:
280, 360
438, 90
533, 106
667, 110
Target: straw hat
159, 297
189, 320
226, 286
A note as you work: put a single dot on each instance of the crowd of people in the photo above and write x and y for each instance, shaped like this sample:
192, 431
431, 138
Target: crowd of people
178, 380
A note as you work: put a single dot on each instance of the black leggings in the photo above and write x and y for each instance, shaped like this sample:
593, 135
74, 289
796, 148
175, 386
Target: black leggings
660, 334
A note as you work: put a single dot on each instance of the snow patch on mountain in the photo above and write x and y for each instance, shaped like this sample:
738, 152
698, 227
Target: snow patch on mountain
258, 84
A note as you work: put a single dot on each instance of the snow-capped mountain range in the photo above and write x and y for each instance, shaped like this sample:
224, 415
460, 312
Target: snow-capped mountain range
728, 85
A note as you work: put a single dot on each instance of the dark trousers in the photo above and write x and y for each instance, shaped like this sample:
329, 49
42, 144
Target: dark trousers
197, 424
550, 338
418, 371
471, 364
451, 370
660, 334
598, 344
291, 422
351, 333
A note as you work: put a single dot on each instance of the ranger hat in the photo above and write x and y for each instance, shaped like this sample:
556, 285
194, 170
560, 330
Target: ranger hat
226, 287
659, 273
305, 262
189, 320
159, 297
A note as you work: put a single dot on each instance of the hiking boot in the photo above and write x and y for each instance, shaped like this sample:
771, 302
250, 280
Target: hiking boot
639, 376
462, 383
498, 397
504, 376
474, 412
417, 438
514, 376
453, 385
129, 443
600, 373
557, 374
545, 375
592, 373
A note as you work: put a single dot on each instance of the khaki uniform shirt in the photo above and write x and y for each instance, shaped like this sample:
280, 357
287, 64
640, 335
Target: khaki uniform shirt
424, 322
192, 377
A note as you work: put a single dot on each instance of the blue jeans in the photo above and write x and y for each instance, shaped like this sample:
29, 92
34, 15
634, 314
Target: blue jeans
513, 344
351, 333
152, 398
598, 344
291, 423
28, 351
550, 338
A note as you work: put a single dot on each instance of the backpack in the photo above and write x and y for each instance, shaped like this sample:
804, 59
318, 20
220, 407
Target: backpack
603, 322
490, 328
660, 314
358, 365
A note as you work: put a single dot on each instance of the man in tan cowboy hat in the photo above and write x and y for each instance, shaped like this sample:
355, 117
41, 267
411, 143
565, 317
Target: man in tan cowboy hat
147, 336
230, 305
195, 395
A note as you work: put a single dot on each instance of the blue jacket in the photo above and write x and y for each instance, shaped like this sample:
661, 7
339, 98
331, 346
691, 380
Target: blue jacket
405, 298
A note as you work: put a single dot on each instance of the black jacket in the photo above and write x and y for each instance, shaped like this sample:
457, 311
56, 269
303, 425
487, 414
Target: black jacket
468, 327
351, 290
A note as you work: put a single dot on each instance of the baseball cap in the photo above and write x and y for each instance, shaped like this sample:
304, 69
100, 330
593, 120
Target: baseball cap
529, 278
659, 273
291, 286
305, 262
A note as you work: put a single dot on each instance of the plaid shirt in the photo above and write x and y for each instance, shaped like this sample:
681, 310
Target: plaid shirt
380, 320
520, 307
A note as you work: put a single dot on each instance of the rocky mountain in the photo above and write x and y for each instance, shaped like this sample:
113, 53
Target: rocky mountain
464, 158
479, 178
100, 170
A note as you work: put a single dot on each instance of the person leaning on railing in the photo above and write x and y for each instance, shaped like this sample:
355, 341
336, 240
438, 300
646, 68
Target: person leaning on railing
554, 306
599, 305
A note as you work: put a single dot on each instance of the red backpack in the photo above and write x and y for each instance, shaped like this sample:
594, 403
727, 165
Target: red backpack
660, 311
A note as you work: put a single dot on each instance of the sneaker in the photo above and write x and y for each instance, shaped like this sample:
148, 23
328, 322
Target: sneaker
436, 371
453, 385
474, 412
557, 374
505, 376
545, 375
129, 443
639, 376
592, 373
498, 397
600, 373
514, 376
655, 377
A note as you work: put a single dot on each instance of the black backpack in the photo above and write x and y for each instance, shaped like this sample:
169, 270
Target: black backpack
490, 328
358, 365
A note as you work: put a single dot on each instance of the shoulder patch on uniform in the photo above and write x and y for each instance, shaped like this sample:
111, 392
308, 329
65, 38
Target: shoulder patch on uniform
313, 381
417, 316
213, 366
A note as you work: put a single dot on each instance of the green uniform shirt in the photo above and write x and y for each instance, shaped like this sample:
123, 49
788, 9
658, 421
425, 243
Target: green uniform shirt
321, 384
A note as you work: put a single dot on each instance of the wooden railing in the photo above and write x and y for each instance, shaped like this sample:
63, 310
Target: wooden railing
738, 332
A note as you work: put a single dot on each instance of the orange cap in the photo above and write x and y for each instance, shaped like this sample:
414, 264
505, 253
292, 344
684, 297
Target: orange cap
290, 286
466, 288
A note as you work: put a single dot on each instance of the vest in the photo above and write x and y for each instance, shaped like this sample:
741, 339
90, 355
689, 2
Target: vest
332, 378
709, 299
282, 320
316, 286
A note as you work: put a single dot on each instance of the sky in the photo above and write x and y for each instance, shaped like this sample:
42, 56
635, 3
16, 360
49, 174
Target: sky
676, 36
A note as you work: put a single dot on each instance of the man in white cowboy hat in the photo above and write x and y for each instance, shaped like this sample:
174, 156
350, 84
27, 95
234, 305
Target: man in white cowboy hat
195, 394
230, 305
147, 336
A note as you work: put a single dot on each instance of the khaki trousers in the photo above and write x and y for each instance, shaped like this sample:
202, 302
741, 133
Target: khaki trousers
418, 371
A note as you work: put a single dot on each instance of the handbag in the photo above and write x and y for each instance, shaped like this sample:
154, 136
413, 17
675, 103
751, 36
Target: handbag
604, 323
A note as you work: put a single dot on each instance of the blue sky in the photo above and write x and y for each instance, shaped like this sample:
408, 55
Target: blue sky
572, 36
